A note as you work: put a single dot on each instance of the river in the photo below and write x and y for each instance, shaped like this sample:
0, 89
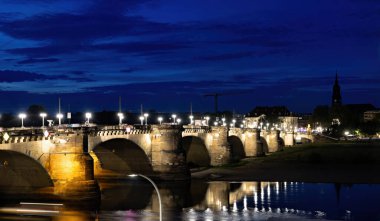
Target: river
198, 200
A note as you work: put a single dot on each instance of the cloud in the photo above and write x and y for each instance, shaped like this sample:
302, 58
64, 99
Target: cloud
38, 60
20, 76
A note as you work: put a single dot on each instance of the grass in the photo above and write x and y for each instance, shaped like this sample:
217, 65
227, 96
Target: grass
334, 153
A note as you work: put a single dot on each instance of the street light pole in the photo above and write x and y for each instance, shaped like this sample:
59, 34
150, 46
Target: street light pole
43, 115
155, 187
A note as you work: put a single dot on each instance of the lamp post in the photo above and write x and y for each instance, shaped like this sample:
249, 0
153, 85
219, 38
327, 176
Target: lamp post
224, 121
142, 120
233, 122
207, 119
43, 115
88, 116
146, 115
155, 187
178, 121
59, 116
174, 116
160, 120
191, 119
121, 117
22, 116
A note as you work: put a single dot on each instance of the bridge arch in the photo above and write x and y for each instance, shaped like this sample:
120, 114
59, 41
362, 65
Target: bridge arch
122, 156
237, 148
20, 171
196, 151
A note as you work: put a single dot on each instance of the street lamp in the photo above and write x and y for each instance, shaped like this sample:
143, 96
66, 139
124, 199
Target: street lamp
59, 116
88, 116
121, 117
224, 121
207, 119
160, 120
191, 119
43, 115
22, 116
233, 122
178, 121
174, 116
146, 115
155, 187
141, 119
215, 123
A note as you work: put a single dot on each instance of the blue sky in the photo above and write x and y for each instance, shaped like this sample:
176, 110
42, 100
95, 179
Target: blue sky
166, 54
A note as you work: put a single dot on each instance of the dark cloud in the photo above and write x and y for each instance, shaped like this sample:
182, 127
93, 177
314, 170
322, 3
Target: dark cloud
19, 76
38, 60
80, 28
129, 70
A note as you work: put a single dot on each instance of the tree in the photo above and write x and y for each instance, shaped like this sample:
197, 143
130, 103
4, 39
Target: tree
321, 115
33, 113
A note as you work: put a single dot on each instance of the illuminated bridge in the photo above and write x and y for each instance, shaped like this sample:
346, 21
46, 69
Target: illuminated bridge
69, 159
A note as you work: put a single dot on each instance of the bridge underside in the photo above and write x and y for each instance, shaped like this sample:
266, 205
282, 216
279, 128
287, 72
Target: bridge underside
196, 151
120, 157
237, 148
19, 172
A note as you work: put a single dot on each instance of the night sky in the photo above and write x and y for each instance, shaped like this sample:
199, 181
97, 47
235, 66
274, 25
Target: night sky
166, 54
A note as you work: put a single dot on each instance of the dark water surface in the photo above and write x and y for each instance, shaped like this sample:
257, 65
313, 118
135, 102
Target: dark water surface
198, 200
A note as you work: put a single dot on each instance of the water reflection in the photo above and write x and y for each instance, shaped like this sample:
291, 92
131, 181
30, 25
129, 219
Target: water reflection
197, 200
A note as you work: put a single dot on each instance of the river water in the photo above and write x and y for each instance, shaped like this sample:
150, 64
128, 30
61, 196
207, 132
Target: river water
197, 200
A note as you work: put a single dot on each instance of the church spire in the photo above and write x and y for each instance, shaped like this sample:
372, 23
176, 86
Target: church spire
336, 96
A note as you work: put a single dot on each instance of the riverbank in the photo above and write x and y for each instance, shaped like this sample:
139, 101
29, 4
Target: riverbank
316, 163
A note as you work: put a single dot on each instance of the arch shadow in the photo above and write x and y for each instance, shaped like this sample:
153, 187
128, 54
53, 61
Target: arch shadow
237, 148
20, 173
123, 156
265, 145
281, 142
197, 154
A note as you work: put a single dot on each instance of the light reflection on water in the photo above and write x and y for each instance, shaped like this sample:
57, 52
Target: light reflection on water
216, 201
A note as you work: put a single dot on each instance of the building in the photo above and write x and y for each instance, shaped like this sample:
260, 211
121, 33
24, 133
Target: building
371, 115
336, 100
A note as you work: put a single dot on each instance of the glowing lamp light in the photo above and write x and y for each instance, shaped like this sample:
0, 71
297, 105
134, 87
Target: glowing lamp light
22, 116
142, 120
160, 120
121, 117
88, 116
146, 115
207, 119
191, 119
59, 116
43, 115
174, 116
178, 121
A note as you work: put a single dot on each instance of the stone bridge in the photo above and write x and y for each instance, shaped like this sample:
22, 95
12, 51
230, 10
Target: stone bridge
69, 159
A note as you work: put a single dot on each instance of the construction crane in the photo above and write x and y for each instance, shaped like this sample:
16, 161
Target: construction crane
216, 95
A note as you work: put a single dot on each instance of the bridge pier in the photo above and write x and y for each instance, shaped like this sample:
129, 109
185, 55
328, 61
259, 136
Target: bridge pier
218, 146
168, 157
288, 138
272, 139
72, 169
252, 145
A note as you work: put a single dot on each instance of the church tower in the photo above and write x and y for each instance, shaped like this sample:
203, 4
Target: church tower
336, 97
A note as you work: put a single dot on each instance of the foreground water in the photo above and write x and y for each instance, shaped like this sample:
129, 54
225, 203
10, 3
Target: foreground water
137, 200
